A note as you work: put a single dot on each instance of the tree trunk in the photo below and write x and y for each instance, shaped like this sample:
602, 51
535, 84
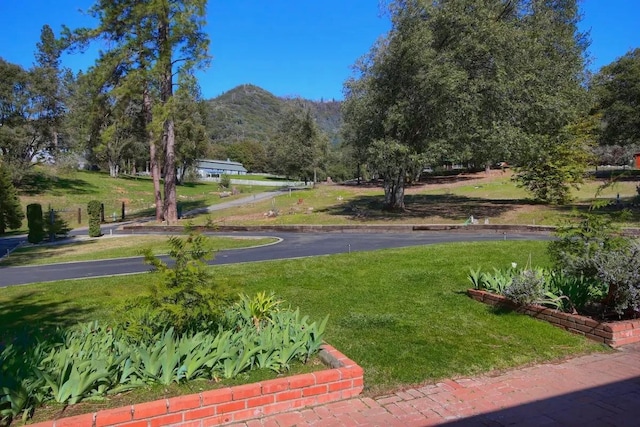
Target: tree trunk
153, 157
169, 137
114, 169
155, 175
170, 199
394, 192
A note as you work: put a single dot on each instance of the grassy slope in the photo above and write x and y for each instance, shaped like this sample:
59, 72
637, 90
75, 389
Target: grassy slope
74, 190
438, 201
402, 314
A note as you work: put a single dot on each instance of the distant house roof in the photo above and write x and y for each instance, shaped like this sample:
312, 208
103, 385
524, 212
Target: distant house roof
226, 165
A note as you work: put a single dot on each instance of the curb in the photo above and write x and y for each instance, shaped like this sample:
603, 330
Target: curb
369, 228
372, 228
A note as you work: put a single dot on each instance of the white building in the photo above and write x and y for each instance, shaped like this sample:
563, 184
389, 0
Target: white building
216, 168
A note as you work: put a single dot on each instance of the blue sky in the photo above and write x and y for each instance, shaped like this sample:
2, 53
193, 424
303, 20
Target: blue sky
288, 47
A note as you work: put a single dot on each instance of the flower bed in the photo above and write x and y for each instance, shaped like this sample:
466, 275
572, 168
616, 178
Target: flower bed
613, 334
343, 380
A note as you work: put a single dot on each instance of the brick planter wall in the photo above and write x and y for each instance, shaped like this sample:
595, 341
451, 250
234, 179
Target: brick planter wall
343, 379
614, 334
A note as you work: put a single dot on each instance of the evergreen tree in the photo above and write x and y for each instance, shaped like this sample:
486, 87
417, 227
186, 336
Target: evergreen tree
48, 104
152, 40
11, 214
190, 125
295, 150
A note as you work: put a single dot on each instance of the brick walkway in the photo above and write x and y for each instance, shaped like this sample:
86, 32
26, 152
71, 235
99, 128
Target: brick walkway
594, 390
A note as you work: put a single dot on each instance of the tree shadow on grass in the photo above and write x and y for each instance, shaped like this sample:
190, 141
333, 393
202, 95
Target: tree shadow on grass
627, 210
183, 207
420, 206
446, 179
62, 246
618, 174
39, 183
25, 318
366, 208
439, 179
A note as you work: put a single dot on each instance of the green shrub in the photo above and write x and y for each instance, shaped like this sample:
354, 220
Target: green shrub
187, 294
522, 286
257, 311
11, 213
620, 270
19, 386
35, 223
528, 287
578, 243
496, 282
225, 182
59, 227
94, 210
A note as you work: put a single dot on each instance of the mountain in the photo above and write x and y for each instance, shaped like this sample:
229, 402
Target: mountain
250, 112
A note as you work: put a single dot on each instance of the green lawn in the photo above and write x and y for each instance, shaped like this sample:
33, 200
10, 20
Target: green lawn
107, 247
440, 201
259, 177
402, 314
70, 191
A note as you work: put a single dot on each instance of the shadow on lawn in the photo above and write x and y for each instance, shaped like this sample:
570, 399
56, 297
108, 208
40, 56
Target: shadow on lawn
24, 319
618, 175
183, 207
39, 183
451, 178
459, 208
62, 248
626, 211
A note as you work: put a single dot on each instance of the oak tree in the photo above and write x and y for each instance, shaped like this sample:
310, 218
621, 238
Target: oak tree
617, 90
478, 81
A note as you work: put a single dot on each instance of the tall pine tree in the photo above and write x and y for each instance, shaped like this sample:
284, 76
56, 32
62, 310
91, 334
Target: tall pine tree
153, 40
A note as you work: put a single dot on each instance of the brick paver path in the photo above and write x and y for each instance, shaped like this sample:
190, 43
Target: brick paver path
594, 390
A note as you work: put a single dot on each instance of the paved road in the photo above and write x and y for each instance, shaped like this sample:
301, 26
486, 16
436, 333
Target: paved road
292, 245
7, 244
257, 197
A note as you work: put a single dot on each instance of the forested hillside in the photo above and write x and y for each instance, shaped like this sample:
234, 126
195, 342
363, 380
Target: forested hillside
248, 112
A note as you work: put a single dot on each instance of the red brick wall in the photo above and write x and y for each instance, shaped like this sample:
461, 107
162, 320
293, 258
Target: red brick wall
233, 404
612, 333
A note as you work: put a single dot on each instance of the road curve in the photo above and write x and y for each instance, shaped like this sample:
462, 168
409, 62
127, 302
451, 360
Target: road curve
292, 245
